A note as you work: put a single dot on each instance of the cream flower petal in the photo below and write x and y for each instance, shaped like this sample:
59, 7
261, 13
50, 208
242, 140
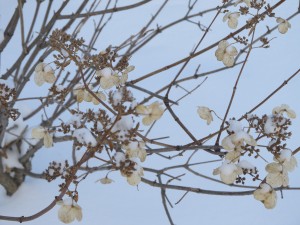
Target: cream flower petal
226, 16
233, 23
39, 79
135, 178
278, 179
247, 2
282, 28
48, 140
108, 82
205, 114
147, 121
228, 60
49, 77
227, 143
233, 156
274, 167
223, 44
231, 50
80, 96
105, 180
38, 132
87, 96
219, 54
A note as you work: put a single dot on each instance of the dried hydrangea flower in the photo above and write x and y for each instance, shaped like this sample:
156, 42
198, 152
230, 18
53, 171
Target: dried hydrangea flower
205, 114
266, 194
226, 53
237, 140
136, 149
105, 180
69, 211
284, 108
39, 133
247, 2
232, 19
228, 172
43, 73
283, 26
108, 78
82, 94
136, 176
151, 112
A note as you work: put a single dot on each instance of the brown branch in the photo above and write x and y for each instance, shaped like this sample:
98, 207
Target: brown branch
201, 51
113, 10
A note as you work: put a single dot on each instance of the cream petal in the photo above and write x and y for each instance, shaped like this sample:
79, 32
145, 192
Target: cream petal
219, 54
290, 165
226, 16
80, 96
87, 96
282, 28
233, 156
228, 60
142, 154
231, 50
38, 132
39, 79
147, 120
48, 140
233, 23
279, 20
259, 194
274, 167
49, 77
227, 143
291, 113
270, 201
228, 179
223, 44
134, 179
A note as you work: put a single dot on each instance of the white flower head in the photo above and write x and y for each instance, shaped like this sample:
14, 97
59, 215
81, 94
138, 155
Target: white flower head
69, 211
44, 73
232, 19
136, 149
247, 2
108, 78
39, 133
228, 172
136, 176
226, 53
283, 26
205, 114
266, 194
237, 140
284, 109
151, 112
83, 95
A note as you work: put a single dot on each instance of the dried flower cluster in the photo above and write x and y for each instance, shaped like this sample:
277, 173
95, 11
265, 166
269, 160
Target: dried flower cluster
240, 143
